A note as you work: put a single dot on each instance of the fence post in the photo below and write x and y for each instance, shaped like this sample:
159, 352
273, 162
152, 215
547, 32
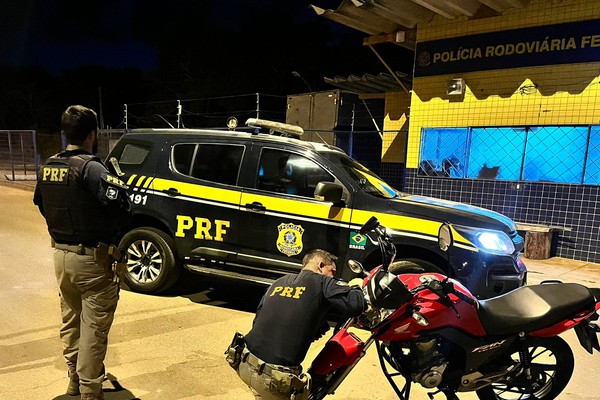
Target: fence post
23, 155
10, 155
35, 153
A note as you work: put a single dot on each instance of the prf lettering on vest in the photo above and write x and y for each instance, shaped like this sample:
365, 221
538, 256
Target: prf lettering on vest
202, 227
54, 174
115, 180
286, 291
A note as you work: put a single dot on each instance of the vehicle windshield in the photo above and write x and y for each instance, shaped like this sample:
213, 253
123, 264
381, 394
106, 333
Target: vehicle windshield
365, 178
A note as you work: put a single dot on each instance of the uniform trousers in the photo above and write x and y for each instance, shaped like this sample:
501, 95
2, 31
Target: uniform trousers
261, 380
261, 384
88, 300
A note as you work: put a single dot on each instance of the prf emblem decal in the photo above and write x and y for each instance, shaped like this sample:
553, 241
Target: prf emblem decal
112, 193
357, 241
289, 241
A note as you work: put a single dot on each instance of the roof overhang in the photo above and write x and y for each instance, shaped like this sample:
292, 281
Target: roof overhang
396, 21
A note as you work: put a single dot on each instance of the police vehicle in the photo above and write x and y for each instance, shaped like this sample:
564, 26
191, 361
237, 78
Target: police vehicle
248, 206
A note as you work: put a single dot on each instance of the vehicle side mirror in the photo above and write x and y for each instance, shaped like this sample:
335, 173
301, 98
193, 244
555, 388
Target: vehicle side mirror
329, 192
371, 224
445, 239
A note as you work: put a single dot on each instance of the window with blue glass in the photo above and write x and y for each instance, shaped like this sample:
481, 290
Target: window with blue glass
592, 165
561, 154
496, 153
555, 154
443, 152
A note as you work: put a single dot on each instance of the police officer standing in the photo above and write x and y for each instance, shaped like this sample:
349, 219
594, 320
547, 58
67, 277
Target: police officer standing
84, 206
291, 314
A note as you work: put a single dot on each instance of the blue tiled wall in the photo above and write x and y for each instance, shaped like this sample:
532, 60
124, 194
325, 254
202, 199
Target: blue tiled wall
575, 207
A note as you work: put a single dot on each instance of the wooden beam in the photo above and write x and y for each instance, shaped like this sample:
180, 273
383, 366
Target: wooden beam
518, 3
465, 7
402, 38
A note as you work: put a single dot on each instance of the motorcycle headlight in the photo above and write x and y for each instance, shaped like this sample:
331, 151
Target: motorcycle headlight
495, 242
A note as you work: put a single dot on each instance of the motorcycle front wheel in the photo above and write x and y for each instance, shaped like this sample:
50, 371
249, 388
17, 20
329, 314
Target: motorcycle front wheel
551, 369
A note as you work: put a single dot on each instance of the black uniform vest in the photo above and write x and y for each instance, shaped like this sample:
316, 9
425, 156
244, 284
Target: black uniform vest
72, 212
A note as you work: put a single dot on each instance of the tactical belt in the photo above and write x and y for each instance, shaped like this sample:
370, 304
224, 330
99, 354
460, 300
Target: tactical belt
76, 248
266, 368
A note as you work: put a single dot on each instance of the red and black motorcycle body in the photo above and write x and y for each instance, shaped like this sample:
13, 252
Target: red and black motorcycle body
433, 331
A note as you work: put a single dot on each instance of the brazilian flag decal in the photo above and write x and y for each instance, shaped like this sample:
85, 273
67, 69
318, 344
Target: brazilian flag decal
357, 241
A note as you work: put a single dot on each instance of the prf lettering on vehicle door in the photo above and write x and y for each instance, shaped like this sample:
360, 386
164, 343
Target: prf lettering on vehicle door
202, 228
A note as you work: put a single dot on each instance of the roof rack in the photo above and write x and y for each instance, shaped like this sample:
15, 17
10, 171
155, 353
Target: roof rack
276, 127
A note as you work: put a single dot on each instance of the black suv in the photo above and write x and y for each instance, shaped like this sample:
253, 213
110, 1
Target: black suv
248, 205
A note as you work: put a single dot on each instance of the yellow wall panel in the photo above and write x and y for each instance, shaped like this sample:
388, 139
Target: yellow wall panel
395, 126
548, 95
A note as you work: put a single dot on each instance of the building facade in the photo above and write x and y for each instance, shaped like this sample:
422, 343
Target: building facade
504, 113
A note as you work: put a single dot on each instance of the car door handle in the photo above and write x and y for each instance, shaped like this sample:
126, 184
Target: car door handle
255, 206
171, 192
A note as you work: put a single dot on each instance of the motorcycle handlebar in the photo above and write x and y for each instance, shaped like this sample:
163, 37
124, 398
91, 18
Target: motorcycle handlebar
443, 288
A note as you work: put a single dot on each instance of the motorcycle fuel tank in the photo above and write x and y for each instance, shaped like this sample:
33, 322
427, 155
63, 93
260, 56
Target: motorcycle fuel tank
343, 349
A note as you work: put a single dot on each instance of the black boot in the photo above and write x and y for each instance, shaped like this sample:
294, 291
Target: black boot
73, 388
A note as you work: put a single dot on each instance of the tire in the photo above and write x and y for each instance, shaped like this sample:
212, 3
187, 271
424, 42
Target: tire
152, 264
551, 368
413, 265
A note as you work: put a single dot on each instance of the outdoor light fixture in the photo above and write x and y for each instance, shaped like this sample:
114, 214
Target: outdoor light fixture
455, 87
297, 75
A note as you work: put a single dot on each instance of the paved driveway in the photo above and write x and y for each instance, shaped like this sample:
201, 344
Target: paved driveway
171, 347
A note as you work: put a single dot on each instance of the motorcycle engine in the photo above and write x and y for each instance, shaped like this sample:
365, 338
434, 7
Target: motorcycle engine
428, 364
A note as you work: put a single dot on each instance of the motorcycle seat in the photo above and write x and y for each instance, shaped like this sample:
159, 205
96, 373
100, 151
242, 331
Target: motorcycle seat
534, 307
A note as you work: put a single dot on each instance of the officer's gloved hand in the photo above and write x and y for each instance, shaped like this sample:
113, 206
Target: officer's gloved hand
356, 282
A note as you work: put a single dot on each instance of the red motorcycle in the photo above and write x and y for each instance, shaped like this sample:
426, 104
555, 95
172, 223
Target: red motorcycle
431, 330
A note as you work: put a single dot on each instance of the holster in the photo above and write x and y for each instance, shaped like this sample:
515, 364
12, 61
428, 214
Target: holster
111, 259
233, 354
301, 385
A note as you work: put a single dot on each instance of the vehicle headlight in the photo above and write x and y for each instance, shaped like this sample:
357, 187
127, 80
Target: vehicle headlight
495, 242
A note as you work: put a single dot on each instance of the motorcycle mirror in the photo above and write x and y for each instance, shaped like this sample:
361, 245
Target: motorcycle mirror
356, 267
371, 224
445, 239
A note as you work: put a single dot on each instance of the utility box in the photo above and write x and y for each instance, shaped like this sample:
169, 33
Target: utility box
320, 113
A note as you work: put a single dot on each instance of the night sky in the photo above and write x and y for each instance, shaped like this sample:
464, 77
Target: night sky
55, 53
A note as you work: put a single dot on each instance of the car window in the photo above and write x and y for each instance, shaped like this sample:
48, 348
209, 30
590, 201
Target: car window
212, 162
284, 172
133, 154
367, 180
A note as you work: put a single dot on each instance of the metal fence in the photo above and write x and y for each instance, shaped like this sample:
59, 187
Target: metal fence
207, 112
107, 138
19, 158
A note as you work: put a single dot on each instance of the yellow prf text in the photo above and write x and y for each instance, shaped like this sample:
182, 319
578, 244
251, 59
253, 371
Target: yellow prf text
203, 228
286, 291
54, 174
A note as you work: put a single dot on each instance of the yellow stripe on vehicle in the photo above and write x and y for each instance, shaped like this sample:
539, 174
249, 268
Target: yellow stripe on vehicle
301, 207
309, 208
131, 178
404, 223
140, 180
198, 191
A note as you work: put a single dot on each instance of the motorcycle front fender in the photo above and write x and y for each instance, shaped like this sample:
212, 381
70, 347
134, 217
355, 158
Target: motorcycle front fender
343, 349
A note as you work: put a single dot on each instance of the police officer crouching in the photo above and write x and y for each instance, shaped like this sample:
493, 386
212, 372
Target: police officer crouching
291, 314
84, 206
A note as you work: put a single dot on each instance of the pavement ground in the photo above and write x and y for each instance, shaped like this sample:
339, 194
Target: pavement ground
171, 347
